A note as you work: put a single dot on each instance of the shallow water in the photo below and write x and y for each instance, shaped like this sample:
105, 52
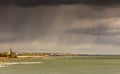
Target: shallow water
62, 66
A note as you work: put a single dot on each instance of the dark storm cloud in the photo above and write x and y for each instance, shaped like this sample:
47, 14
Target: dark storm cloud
107, 41
29, 3
9, 40
42, 21
96, 31
59, 26
19, 24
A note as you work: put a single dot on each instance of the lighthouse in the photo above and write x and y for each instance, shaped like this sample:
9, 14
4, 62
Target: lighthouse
11, 54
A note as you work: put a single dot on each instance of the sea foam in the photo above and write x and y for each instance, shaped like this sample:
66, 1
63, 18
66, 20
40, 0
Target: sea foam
3, 64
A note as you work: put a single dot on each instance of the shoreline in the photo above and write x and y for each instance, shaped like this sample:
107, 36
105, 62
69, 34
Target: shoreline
60, 57
28, 57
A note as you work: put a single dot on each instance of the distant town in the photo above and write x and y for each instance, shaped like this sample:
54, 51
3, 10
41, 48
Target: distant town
12, 54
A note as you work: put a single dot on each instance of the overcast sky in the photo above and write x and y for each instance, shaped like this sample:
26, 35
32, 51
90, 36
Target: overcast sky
75, 26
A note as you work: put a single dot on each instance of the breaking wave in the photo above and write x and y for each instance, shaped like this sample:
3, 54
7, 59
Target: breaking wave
3, 64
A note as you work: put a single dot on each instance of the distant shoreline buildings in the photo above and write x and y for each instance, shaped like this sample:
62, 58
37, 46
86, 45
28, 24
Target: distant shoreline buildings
11, 54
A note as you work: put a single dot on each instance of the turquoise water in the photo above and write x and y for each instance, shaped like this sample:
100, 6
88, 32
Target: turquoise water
62, 66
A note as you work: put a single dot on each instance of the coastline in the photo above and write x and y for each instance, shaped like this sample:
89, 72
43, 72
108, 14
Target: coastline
28, 57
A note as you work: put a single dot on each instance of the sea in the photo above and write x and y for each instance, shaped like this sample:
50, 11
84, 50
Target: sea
60, 66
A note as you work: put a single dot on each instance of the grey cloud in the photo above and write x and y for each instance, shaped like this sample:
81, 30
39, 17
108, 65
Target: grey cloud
30, 3
97, 31
107, 41
55, 27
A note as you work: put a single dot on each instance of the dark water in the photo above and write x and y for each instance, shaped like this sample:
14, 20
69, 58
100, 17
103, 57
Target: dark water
62, 66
